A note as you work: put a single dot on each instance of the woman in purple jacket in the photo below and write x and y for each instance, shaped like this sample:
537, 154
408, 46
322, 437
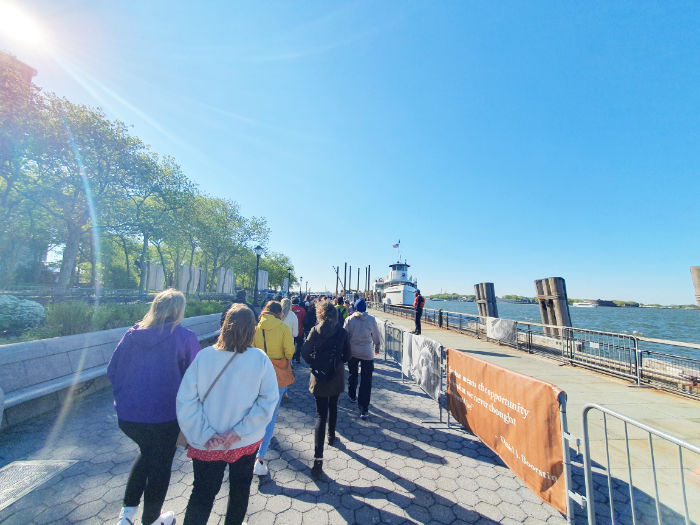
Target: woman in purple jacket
145, 371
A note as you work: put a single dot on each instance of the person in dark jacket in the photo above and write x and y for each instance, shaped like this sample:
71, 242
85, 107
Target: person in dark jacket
145, 371
310, 318
418, 304
328, 336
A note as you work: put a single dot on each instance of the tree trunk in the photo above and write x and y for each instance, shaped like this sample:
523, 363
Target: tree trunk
189, 276
126, 257
213, 275
70, 252
144, 248
93, 266
162, 262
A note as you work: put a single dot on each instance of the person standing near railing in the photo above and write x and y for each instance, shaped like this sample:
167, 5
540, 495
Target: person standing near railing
418, 304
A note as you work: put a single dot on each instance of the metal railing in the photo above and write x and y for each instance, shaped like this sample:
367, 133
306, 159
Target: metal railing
625, 501
393, 347
632, 497
640, 359
48, 295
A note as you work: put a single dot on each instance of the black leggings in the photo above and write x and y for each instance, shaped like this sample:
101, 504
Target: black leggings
366, 367
326, 409
150, 473
208, 476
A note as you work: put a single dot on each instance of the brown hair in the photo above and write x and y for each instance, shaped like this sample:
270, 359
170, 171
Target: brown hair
326, 312
272, 307
238, 329
167, 307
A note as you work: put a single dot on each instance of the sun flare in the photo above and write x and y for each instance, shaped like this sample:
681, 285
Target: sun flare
18, 26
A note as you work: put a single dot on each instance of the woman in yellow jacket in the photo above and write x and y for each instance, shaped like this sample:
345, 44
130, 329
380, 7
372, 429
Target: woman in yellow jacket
274, 337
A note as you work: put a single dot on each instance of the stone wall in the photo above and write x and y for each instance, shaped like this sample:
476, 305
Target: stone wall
38, 376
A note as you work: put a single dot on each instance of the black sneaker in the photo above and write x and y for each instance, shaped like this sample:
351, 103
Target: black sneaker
331, 440
352, 399
317, 469
364, 415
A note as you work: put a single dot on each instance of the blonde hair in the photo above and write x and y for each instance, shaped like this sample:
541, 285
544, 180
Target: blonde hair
167, 307
286, 306
238, 329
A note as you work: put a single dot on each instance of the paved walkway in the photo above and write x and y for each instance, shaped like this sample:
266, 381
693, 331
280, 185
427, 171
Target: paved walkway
391, 468
674, 414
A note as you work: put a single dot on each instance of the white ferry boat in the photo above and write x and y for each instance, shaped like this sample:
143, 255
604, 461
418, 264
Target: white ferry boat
585, 304
397, 287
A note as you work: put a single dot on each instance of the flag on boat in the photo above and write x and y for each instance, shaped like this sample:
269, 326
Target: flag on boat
396, 245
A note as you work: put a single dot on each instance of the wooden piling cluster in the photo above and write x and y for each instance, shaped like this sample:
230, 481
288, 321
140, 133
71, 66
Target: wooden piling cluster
554, 307
486, 299
695, 273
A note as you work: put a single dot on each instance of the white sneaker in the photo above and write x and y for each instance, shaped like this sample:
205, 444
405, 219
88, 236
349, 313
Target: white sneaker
260, 469
127, 516
167, 518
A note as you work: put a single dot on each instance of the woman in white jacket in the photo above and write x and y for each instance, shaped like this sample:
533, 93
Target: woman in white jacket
226, 399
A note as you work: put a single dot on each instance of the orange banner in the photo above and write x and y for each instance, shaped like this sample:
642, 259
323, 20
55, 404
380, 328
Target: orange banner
516, 416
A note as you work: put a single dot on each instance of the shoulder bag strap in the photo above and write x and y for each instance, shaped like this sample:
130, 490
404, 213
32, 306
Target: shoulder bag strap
264, 340
217, 377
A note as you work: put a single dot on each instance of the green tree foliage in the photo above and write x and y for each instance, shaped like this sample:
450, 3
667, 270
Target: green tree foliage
70, 176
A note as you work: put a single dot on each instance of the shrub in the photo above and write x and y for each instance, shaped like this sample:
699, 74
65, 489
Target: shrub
195, 308
19, 315
117, 315
76, 317
67, 318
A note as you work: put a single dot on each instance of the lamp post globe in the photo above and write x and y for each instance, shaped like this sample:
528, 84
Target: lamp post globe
258, 252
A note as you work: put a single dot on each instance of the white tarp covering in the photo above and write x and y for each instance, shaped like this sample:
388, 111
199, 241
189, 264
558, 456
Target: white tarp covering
381, 326
155, 277
406, 358
421, 362
262, 279
224, 281
426, 364
503, 330
185, 272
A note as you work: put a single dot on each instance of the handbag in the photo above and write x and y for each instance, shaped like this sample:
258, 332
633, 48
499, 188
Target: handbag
181, 439
283, 368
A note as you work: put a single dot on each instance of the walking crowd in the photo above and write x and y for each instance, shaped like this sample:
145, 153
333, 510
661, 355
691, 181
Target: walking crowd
221, 402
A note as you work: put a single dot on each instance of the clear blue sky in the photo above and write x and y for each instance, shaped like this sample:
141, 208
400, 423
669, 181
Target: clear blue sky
500, 142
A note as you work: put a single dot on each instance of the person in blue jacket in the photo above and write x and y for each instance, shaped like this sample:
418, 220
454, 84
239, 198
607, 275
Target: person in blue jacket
145, 371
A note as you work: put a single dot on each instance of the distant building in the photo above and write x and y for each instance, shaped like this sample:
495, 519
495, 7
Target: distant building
27, 72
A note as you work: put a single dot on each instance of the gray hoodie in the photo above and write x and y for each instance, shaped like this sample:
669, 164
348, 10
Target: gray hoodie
363, 334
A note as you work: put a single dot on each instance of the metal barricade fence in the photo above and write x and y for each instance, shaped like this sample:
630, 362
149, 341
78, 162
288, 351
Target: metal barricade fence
393, 350
659, 367
617, 354
624, 450
393, 343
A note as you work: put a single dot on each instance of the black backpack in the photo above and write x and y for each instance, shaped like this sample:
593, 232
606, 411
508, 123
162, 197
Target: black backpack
325, 360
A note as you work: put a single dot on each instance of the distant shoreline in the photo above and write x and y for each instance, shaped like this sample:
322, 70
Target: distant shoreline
533, 300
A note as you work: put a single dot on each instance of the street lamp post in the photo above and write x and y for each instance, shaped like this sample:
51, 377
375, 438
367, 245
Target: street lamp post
289, 282
301, 280
258, 252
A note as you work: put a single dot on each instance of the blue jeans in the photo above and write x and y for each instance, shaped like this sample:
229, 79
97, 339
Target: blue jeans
271, 425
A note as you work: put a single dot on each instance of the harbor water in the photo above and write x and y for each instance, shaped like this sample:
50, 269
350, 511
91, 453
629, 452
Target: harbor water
657, 323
